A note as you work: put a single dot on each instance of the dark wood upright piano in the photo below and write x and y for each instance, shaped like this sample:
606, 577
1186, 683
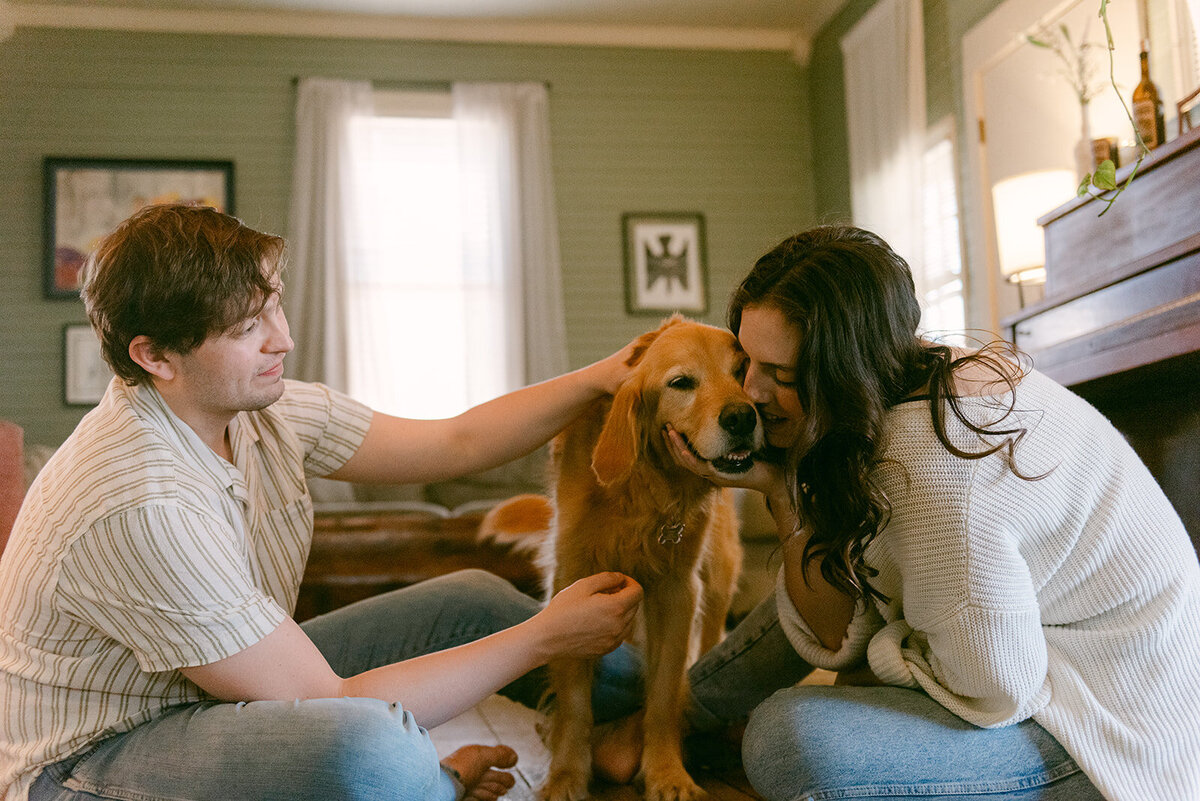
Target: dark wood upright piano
1119, 322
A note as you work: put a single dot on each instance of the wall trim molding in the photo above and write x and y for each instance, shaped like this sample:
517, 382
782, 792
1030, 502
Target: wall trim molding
363, 26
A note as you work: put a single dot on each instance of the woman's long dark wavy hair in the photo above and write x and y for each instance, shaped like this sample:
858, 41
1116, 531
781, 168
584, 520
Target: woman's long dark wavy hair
853, 303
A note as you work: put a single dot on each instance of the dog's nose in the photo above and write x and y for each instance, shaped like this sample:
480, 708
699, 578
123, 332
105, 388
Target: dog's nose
738, 418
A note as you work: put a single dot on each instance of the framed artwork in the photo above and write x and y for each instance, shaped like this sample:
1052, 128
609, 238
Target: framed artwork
86, 198
85, 373
664, 262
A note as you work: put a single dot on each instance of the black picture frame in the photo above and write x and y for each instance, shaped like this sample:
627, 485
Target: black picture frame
665, 262
85, 373
85, 198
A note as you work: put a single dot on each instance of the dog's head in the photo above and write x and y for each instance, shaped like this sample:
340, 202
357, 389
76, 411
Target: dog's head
687, 375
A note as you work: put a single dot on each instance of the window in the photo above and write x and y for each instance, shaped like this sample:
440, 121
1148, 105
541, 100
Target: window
902, 172
944, 312
426, 332
1184, 31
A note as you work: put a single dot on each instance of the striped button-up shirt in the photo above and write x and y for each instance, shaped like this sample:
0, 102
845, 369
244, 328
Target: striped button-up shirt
139, 551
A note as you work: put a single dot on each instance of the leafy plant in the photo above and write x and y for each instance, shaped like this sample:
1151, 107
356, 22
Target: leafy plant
1076, 63
1105, 178
1079, 71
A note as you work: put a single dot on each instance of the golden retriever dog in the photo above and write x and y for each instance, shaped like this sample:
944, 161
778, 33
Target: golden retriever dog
622, 503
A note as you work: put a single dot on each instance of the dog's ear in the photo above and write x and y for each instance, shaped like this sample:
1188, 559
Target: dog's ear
620, 440
643, 343
617, 446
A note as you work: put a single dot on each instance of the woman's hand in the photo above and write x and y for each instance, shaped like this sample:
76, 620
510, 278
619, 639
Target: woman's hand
589, 618
763, 477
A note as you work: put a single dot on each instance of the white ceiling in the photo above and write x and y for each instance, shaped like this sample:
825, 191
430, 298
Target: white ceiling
738, 24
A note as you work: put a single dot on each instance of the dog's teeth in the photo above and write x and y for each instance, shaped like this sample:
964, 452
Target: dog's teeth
734, 462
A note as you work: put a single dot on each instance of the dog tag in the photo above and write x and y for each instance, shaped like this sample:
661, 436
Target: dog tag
670, 533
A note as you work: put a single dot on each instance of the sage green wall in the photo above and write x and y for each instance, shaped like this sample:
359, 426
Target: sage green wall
722, 133
945, 24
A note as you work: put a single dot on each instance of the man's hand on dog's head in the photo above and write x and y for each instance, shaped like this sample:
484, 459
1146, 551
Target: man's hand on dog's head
612, 371
763, 476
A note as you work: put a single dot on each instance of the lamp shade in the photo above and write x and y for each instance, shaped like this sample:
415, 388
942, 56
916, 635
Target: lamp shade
1017, 202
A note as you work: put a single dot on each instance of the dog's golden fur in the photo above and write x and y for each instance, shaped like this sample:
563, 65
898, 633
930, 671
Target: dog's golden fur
622, 503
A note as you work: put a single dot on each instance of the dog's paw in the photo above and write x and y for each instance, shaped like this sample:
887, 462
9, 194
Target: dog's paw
674, 786
562, 785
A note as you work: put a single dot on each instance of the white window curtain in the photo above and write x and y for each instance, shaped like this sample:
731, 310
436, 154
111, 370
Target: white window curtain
508, 235
884, 64
508, 191
319, 222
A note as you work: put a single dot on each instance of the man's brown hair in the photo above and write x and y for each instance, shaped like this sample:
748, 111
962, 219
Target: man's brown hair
176, 274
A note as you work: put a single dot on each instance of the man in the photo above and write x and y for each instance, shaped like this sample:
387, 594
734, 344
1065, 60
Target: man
146, 643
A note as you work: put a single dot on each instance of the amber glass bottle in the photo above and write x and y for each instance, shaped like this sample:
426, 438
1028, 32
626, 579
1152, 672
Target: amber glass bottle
1147, 105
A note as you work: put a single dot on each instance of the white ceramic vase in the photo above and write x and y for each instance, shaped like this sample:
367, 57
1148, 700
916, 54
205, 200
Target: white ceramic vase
1084, 161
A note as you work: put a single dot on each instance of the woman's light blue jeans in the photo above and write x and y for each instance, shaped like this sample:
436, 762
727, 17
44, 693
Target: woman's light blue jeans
814, 743
325, 749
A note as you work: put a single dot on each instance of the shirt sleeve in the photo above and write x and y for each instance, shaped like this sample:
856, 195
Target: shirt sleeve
170, 584
331, 426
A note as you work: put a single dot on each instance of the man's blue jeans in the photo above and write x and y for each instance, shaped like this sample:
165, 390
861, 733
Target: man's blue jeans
324, 749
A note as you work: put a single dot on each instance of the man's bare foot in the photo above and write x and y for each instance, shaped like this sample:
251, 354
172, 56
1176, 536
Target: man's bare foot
478, 768
617, 749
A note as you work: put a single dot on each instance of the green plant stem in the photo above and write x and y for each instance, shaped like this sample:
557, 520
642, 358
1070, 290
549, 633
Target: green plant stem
1141, 144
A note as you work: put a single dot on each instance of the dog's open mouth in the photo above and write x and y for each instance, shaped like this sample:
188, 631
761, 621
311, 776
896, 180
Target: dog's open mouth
734, 462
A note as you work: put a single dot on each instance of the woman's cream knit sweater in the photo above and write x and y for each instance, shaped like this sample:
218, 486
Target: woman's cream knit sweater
1073, 599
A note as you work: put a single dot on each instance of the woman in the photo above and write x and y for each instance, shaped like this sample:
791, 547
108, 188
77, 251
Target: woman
968, 535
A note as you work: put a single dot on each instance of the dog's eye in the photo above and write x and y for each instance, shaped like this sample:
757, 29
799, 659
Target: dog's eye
739, 372
683, 382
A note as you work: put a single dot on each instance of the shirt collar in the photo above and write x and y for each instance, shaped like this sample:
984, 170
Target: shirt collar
148, 403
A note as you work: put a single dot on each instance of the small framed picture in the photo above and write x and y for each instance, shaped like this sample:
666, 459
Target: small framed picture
86, 198
85, 373
664, 262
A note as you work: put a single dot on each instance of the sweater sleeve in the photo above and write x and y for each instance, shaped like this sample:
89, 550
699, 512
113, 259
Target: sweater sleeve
986, 666
967, 625
866, 622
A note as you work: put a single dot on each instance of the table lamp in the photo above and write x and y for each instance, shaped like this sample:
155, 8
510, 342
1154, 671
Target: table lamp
1017, 202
